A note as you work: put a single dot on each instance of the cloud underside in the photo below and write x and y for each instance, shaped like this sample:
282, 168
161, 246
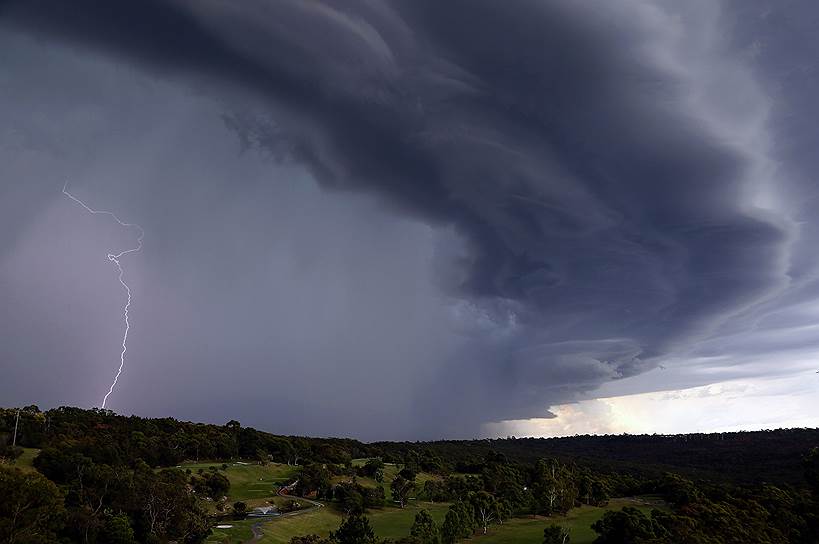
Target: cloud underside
609, 171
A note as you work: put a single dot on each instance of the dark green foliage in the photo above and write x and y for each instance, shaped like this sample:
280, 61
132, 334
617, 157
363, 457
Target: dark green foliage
117, 530
451, 528
350, 498
31, 508
402, 486
627, 526
430, 462
9, 452
100, 498
165, 507
487, 509
811, 464
314, 477
310, 539
408, 473
435, 491
773, 456
353, 498
555, 534
239, 509
110, 488
459, 522
291, 506
458, 488
424, 529
554, 487
737, 518
592, 489
506, 481
373, 468
374, 497
213, 485
330, 452
678, 491
354, 530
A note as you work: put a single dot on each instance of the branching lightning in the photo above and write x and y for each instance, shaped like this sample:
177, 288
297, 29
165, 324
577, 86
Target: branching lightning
115, 258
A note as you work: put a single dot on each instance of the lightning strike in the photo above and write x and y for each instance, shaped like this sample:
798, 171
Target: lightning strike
115, 258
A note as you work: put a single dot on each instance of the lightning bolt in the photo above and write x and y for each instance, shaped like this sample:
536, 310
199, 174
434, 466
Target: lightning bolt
115, 258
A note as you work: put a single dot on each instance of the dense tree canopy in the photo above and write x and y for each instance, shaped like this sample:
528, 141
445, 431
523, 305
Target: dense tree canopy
105, 478
31, 508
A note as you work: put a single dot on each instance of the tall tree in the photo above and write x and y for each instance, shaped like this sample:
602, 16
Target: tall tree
31, 508
451, 528
118, 530
627, 526
424, 529
354, 530
487, 508
402, 488
555, 534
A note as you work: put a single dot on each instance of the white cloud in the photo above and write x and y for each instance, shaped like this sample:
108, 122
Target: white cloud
748, 404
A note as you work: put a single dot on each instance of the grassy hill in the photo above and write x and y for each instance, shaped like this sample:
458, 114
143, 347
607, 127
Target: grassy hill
391, 522
256, 484
388, 522
253, 484
578, 522
391, 470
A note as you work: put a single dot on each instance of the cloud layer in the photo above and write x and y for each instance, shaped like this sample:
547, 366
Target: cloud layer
516, 205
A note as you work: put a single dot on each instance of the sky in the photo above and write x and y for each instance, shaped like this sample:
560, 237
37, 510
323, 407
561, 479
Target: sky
414, 219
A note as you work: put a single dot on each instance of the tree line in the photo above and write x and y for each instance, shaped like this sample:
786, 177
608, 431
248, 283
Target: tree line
697, 512
106, 478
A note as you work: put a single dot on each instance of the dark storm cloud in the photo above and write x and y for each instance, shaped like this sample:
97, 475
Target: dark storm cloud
606, 208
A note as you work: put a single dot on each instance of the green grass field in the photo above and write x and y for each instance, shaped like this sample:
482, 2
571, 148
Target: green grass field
25, 461
390, 472
395, 522
250, 483
238, 533
578, 522
255, 485
391, 522
388, 522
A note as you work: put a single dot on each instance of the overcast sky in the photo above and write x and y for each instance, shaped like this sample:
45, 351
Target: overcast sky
414, 219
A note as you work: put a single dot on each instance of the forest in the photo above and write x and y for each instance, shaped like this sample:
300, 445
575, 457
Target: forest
97, 477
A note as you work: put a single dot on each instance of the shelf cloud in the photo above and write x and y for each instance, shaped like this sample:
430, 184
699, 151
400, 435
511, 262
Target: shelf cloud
477, 210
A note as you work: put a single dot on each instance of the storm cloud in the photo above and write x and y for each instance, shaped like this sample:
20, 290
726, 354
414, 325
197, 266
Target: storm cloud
446, 213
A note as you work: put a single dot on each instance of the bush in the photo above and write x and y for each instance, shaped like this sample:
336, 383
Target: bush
555, 534
10, 452
291, 506
117, 530
239, 509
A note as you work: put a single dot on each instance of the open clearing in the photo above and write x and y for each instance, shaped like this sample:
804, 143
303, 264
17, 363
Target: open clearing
578, 522
391, 522
250, 483
25, 461
256, 485
390, 472
388, 522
